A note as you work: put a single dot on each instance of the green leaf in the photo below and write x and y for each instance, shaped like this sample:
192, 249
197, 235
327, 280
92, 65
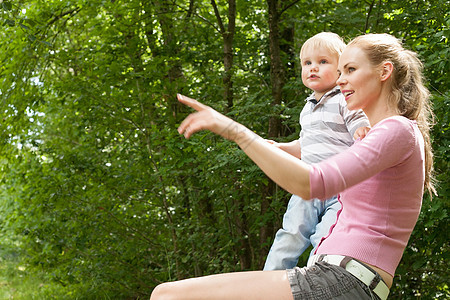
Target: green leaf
46, 43
6, 5
10, 22
24, 26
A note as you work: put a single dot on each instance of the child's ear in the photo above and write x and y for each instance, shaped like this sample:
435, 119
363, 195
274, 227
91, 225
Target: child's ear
386, 71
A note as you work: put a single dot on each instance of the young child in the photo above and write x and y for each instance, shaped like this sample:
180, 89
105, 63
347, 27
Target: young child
327, 128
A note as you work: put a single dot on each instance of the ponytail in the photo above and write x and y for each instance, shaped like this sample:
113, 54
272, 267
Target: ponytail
409, 94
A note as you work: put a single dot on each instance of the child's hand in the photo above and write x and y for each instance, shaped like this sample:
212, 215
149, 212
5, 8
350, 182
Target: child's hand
361, 132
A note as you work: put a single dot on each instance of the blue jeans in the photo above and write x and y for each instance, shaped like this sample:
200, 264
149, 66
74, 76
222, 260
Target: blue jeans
304, 223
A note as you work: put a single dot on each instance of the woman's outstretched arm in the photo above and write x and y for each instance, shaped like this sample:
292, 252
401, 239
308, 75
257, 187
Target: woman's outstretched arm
240, 285
287, 171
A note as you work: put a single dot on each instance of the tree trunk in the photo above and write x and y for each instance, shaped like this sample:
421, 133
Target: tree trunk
228, 37
277, 80
243, 249
170, 49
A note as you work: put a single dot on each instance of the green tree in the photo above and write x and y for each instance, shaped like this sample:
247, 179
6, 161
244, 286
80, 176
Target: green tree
101, 194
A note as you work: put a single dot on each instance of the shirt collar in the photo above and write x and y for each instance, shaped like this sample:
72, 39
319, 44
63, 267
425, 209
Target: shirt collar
327, 95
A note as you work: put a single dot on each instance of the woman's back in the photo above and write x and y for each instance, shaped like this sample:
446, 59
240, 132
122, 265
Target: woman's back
379, 213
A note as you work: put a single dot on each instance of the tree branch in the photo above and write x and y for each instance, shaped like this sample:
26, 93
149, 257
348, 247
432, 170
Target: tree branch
191, 8
219, 19
368, 15
288, 5
71, 12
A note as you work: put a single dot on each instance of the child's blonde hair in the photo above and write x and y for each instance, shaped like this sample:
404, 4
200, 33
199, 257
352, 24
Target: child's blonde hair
408, 93
328, 40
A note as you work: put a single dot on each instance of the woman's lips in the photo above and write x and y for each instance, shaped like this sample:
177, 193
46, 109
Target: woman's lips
347, 93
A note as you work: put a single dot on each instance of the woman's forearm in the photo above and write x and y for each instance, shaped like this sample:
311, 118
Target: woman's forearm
286, 170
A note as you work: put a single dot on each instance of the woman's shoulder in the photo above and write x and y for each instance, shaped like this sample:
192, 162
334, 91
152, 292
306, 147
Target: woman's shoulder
399, 131
398, 123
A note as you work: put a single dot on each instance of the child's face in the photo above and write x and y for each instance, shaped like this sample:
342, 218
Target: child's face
319, 70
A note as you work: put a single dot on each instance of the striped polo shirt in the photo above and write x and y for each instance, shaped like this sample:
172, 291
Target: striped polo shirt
327, 126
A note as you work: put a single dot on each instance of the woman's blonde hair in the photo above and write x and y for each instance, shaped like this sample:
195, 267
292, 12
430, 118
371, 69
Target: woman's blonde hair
328, 40
409, 94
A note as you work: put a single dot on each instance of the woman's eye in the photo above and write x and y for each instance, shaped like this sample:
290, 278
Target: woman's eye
351, 69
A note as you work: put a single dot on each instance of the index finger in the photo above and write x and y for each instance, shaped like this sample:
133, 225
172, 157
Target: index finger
191, 102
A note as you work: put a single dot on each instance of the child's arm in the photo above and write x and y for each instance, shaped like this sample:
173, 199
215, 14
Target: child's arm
293, 148
361, 132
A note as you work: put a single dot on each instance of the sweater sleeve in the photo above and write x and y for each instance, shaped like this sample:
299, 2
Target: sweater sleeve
387, 144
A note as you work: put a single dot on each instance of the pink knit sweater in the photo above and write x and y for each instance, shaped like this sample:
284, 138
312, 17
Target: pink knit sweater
381, 182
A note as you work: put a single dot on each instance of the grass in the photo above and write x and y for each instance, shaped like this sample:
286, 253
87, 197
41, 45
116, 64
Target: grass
20, 281
17, 281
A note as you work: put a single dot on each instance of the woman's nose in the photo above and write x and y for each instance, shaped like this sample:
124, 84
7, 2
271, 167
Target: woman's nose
340, 80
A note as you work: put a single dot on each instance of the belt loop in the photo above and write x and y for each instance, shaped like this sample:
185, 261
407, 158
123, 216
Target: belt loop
375, 281
345, 261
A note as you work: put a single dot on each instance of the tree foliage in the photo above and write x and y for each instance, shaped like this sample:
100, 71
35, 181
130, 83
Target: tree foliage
100, 192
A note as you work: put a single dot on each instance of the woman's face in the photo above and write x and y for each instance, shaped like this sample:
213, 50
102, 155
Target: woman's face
359, 80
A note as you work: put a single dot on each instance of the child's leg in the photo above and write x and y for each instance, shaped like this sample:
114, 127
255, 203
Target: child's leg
291, 241
327, 217
240, 285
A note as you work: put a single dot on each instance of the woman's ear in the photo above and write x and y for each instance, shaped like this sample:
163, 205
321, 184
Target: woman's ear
386, 71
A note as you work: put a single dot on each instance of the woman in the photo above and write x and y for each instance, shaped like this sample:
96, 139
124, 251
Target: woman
380, 180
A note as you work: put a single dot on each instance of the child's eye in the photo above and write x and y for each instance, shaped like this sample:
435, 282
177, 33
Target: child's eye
323, 61
351, 69
306, 63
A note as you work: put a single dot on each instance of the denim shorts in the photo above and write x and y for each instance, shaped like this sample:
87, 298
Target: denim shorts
324, 281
